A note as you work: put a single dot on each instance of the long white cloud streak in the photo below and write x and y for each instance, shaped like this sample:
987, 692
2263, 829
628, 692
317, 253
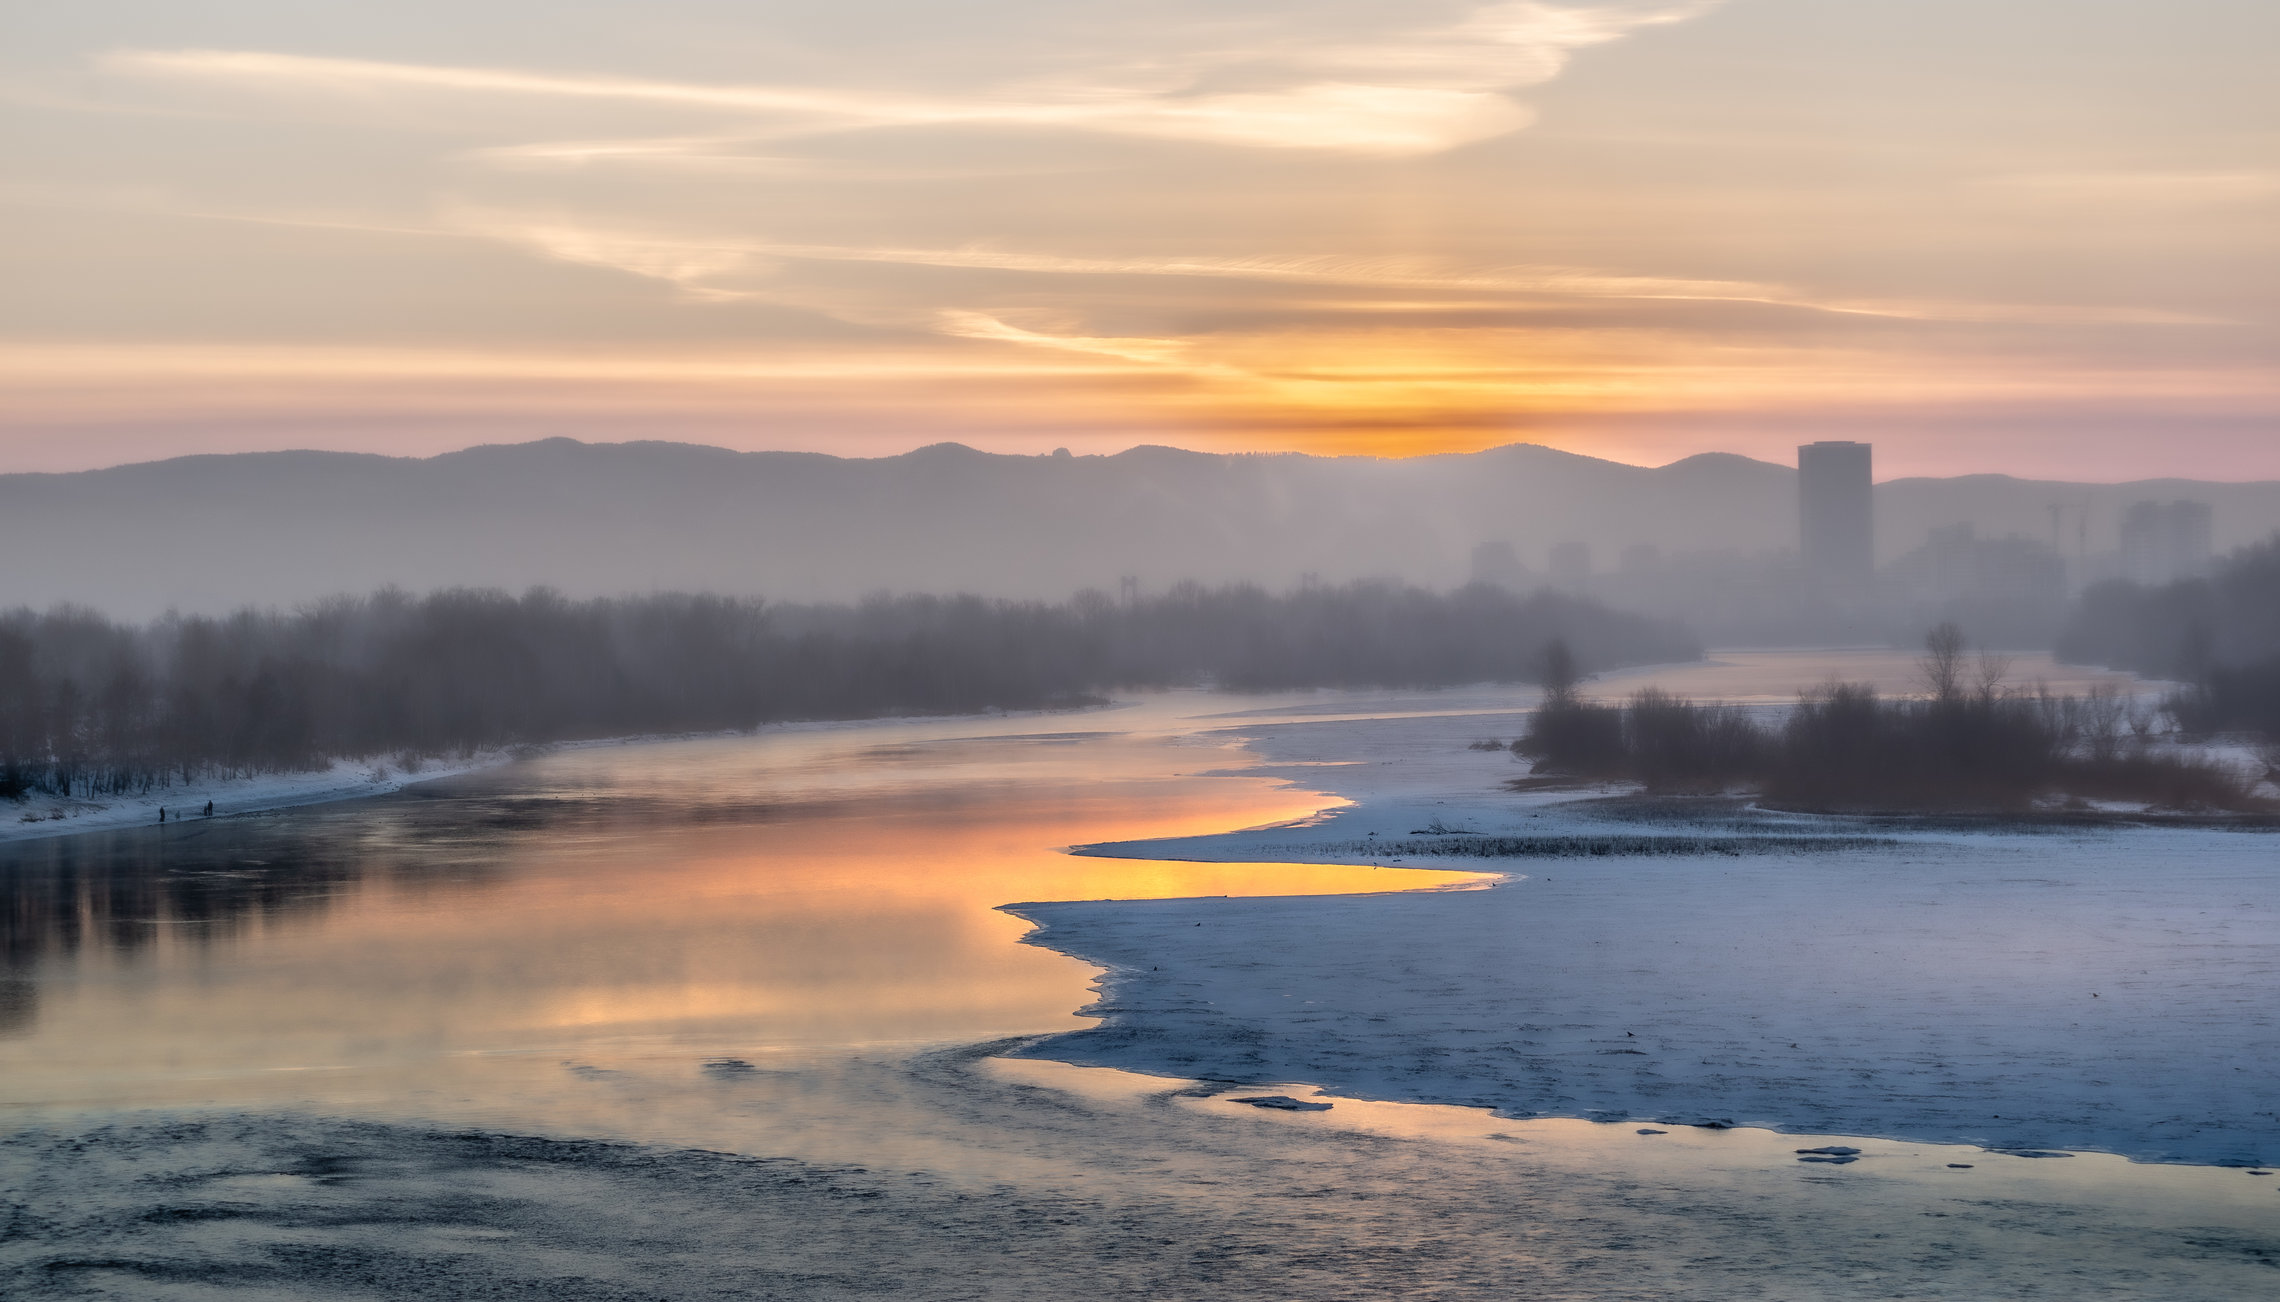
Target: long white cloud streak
1151, 352
1418, 92
693, 263
724, 269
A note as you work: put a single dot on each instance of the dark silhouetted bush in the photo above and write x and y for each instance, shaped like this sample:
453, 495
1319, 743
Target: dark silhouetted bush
1969, 744
1675, 745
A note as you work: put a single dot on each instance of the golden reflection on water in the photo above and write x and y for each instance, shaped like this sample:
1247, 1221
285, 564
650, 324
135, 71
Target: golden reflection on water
799, 889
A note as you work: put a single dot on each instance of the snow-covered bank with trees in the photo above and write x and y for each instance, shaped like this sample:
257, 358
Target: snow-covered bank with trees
91, 708
38, 815
2099, 988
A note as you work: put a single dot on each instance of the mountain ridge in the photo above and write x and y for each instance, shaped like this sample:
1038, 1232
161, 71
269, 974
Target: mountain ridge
212, 531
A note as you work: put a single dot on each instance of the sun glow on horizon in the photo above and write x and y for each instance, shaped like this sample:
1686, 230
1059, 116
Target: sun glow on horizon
1620, 227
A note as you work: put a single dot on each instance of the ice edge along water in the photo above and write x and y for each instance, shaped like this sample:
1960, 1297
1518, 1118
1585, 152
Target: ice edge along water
2082, 989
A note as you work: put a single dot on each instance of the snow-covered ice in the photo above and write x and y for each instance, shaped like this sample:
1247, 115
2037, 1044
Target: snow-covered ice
2113, 989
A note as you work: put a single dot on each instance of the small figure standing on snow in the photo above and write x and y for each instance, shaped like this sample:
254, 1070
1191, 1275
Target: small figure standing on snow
209, 809
162, 813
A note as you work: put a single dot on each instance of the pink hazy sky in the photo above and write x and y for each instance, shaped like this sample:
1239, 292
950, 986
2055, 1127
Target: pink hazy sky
2036, 238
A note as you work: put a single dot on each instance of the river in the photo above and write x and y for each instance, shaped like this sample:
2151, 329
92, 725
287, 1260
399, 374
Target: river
790, 946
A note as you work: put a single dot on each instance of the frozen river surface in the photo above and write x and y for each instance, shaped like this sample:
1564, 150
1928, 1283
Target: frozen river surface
2111, 989
2119, 993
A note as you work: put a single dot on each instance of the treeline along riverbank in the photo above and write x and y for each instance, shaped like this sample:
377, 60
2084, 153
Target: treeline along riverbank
1968, 744
2220, 634
89, 706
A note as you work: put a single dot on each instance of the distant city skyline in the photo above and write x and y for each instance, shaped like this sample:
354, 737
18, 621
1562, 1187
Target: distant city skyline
2038, 239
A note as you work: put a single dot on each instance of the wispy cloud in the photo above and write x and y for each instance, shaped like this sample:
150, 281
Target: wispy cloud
1418, 91
693, 262
698, 153
1496, 46
694, 267
725, 269
1324, 115
316, 74
1153, 352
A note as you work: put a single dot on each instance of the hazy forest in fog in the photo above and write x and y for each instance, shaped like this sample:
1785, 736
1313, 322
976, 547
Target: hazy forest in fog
89, 706
2220, 634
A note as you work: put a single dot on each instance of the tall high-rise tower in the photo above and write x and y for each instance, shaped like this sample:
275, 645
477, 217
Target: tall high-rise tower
1836, 515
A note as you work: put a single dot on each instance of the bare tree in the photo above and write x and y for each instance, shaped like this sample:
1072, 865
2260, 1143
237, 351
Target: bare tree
1561, 676
1942, 662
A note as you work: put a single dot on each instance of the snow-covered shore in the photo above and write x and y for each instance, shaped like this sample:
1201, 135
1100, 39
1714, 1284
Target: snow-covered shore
39, 816
2108, 989
43, 816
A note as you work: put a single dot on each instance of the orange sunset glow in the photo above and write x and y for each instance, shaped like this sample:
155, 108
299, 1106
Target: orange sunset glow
1636, 230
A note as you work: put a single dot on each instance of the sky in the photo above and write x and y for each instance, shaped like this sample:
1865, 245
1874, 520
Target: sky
2034, 237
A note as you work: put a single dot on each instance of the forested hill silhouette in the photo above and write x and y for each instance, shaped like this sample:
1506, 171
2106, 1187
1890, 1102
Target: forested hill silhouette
214, 532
